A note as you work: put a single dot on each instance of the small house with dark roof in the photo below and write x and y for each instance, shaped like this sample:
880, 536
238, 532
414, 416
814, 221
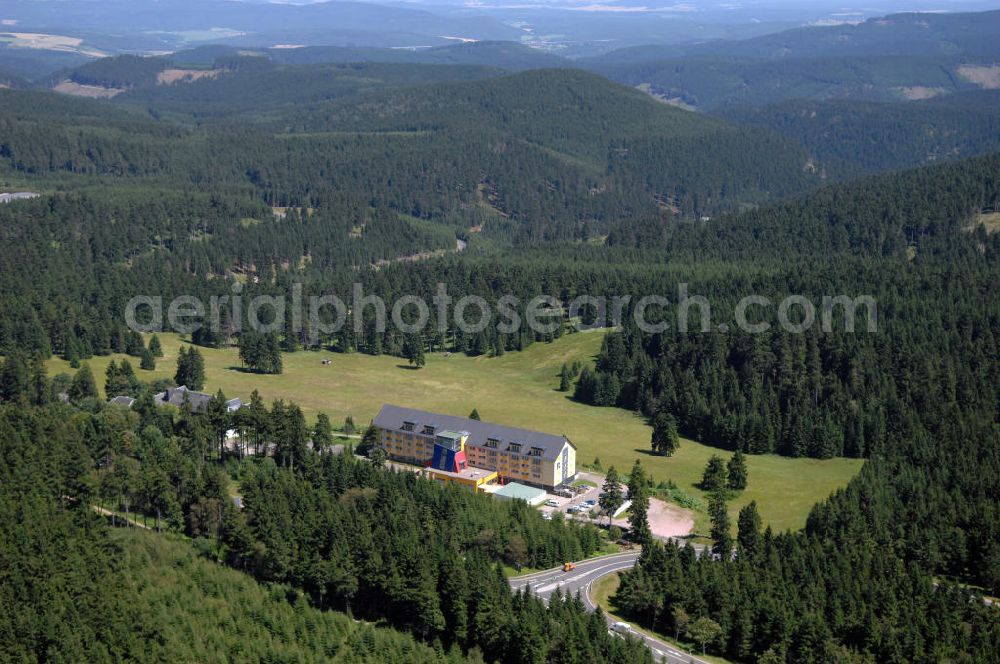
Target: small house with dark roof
523, 455
176, 396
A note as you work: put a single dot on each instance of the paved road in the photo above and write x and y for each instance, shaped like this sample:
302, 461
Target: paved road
543, 584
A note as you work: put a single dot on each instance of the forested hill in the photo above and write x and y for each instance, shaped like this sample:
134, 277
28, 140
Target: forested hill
903, 56
882, 136
545, 154
214, 82
970, 35
10, 80
614, 142
503, 54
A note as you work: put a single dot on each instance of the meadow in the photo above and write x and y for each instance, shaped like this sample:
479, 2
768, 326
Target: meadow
518, 389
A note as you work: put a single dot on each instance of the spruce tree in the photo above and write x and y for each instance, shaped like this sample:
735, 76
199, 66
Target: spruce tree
474, 415
638, 517
14, 377
714, 478
722, 542
565, 380
413, 350
148, 361
190, 368
368, 441
737, 472
154, 346
748, 529
322, 436
611, 497
664, 439
83, 386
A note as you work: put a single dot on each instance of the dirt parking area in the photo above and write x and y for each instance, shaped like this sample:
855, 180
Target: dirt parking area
666, 520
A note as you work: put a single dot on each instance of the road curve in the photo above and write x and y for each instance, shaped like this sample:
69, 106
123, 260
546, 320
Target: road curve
543, 584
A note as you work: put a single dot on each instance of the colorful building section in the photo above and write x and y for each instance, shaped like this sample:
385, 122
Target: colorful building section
449, 451
448, 465
474, 453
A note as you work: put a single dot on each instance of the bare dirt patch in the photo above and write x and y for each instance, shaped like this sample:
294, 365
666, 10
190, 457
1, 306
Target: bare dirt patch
171, 76
918, 92
666, 520
669, 100
991, 220
68, 87
985, 76
61, 43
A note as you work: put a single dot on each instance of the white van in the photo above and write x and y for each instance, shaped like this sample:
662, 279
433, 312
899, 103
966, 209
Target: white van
622, 628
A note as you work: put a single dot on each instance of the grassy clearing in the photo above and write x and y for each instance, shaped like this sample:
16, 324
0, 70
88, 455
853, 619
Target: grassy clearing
518, 389
991, 220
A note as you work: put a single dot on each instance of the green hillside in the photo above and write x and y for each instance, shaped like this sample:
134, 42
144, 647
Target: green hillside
883, 136
883, 59
205, 612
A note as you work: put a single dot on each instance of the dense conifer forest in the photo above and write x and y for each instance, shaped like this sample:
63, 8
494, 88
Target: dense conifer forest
321, 532
399, 177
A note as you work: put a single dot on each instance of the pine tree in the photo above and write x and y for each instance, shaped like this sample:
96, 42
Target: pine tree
565, 380
218, 417
638, 517
737, 472
190, 368
349, 427
154, 346
474, 415
413, 350
83, 386
722, 543
748, 529
377, 455
148, 361
14, 377
664, 440
322, 434
369, 441
714, 478
611, 497
38, 381
133, 343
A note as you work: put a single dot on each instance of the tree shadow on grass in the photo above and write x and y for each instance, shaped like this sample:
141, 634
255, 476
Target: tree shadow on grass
408, 367
246, 370
649, 452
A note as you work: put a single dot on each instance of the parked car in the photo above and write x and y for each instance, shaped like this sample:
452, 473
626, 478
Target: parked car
590, 503
622, 628
552, 503
569, 567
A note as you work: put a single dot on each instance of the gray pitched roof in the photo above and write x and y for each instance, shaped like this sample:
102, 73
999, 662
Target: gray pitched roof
122, 401
392, 417
175, 396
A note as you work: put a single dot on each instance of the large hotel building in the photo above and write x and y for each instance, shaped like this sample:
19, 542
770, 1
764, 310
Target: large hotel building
474, 453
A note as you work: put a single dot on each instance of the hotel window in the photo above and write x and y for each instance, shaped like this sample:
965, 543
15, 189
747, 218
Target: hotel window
428, 430
514, 448
536, 452
492, 443
408, 426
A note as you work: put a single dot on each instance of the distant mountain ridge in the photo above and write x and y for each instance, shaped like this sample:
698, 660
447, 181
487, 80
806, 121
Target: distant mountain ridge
896, 57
